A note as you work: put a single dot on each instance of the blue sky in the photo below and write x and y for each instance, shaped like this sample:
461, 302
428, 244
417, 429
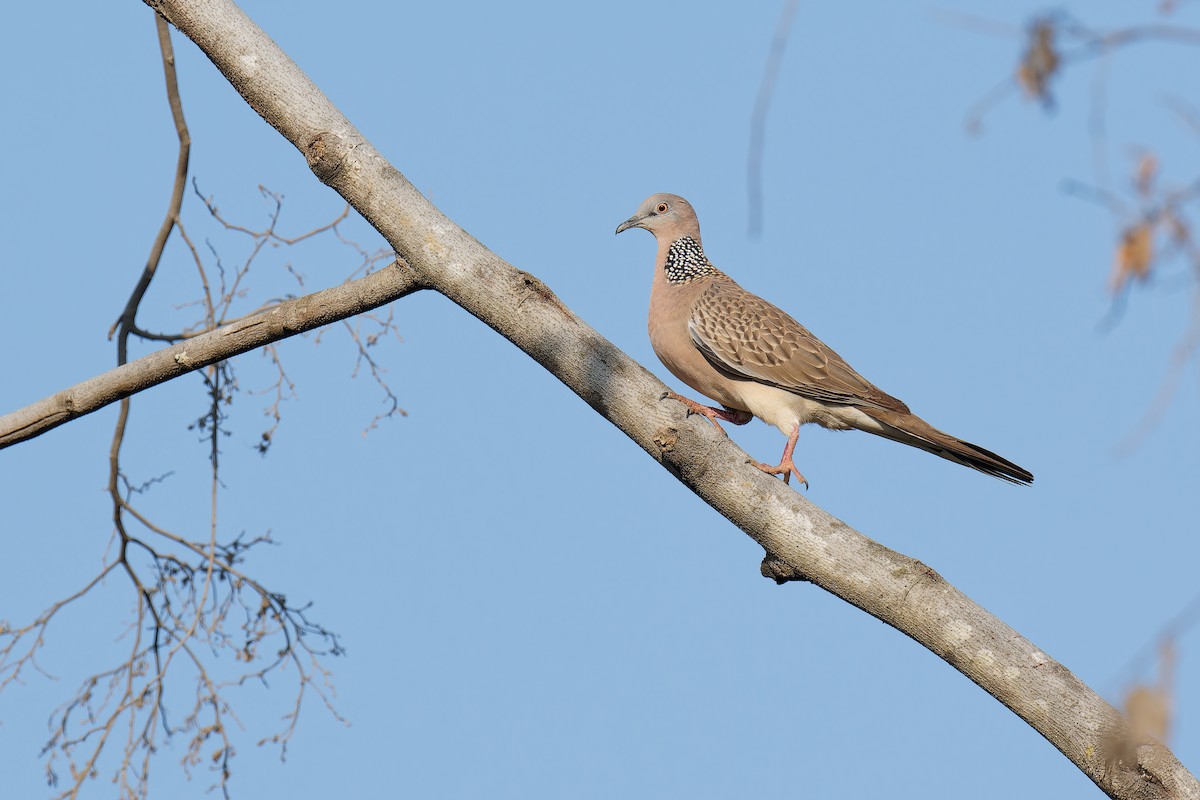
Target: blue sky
530, 606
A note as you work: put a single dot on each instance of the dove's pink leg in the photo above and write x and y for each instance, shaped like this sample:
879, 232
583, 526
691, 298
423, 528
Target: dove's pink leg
713, 414
786, 468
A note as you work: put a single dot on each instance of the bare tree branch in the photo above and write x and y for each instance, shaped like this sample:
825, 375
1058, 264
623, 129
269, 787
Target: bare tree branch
286, 319
802, 542
127, 321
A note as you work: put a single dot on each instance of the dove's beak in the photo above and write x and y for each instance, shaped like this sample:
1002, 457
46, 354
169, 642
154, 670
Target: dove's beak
633, 222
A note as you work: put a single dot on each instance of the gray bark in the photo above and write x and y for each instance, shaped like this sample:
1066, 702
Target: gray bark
802, 542
279, 322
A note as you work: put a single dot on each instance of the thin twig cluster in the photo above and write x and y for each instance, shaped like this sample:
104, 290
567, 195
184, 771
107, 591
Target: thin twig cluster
202, 624
1155, 219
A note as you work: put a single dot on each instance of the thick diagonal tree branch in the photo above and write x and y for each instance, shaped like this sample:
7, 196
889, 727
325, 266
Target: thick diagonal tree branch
802, 542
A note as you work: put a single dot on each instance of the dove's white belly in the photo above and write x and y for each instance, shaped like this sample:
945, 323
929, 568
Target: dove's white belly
785, 410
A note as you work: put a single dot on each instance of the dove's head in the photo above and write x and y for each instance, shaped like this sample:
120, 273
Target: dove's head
668, 216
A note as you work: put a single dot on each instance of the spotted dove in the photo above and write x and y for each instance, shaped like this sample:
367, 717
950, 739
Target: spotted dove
756, 361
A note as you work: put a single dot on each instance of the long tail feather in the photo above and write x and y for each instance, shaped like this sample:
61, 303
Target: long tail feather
912, 430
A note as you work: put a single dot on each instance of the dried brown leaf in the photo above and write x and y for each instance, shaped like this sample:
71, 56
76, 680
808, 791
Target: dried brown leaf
1134, 254
1040, 62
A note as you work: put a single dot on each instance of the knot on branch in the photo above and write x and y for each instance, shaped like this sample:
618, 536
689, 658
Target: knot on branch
1131, 760
665, 439
928, 572
531, 285
779, 570
327, 154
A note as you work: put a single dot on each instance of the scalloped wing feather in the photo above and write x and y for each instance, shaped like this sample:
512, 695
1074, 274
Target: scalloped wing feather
746, 337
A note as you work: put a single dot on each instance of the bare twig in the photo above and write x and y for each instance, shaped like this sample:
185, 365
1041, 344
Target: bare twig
127, 318
1054, 41
384, 326
758, 119
1183, 354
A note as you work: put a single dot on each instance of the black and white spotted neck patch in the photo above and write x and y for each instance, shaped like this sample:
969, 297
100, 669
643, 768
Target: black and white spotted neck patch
686, 261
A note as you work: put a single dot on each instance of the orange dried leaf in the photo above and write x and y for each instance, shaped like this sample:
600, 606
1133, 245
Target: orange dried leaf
1135, 251
1039, 63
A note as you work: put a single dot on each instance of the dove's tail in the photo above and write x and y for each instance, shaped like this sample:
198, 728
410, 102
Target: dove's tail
912, 430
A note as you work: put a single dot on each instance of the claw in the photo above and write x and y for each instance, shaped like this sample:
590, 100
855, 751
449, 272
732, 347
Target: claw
733, 415
786, 467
